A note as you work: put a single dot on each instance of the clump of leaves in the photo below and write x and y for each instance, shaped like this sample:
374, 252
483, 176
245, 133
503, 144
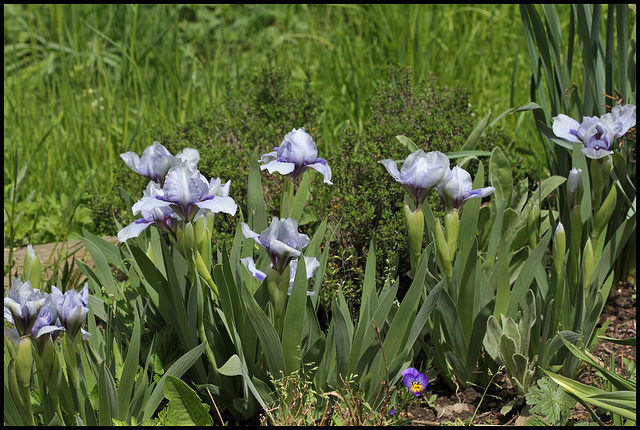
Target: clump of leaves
365, 200
550, 405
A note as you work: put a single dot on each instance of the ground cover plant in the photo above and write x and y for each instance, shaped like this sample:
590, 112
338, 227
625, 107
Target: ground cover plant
231, 297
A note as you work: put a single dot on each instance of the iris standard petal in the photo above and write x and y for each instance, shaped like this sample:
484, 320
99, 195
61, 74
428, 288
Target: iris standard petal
566, 127
183, 185
149, 204
626, 115
189, 154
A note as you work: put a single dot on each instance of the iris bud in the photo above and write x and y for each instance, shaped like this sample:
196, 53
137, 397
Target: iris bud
587, 267
451, 227
443, 251
24, 361
604, 213
559, 248
32, 268
415, 227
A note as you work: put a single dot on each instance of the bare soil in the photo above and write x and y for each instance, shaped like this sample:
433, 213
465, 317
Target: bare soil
449, 407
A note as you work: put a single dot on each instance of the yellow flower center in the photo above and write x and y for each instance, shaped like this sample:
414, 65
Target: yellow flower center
416, 387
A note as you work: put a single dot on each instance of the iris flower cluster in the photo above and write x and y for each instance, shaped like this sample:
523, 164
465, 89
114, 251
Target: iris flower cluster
177, 191
422, 172
35, 313
597, 134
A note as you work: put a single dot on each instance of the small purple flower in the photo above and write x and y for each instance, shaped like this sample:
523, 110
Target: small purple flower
420, 172
415, 381
186, 191
456, 189
392, 411
156, 161
281, 240
295, 155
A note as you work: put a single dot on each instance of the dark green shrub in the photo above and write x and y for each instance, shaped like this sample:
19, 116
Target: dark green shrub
365, 200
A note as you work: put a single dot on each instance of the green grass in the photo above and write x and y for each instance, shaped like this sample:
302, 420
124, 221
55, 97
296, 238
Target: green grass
84, 83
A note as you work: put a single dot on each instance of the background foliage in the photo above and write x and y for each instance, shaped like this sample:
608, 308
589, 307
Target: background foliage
84, 83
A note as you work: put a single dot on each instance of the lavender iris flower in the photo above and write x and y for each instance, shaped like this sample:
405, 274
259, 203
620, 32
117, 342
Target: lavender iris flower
420, 172
311, 264
281, 240
48, 321
295, 155
72, 309
597, 134
415, 381
164, 217
456, 189
156, 161
186, 191
22, 305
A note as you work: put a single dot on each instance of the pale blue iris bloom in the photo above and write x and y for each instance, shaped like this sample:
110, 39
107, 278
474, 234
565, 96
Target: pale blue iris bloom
156, 161
311, 264
163, 217
294, 156
72, 309
597, 134
420, 172
36, 313
281, 240
48, 321
186, 191
22, 305
456, 189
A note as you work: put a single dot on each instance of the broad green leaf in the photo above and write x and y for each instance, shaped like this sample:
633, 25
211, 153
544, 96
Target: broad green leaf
185, 407
266, 333
500, 175
301, 196
178, 369
108, 397
257, 215
294, 320
130, 369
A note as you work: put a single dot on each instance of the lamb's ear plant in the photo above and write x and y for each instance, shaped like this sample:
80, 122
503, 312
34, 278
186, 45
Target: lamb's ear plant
508, 342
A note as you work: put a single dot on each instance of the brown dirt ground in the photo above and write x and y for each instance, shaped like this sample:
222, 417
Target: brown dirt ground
620, 310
